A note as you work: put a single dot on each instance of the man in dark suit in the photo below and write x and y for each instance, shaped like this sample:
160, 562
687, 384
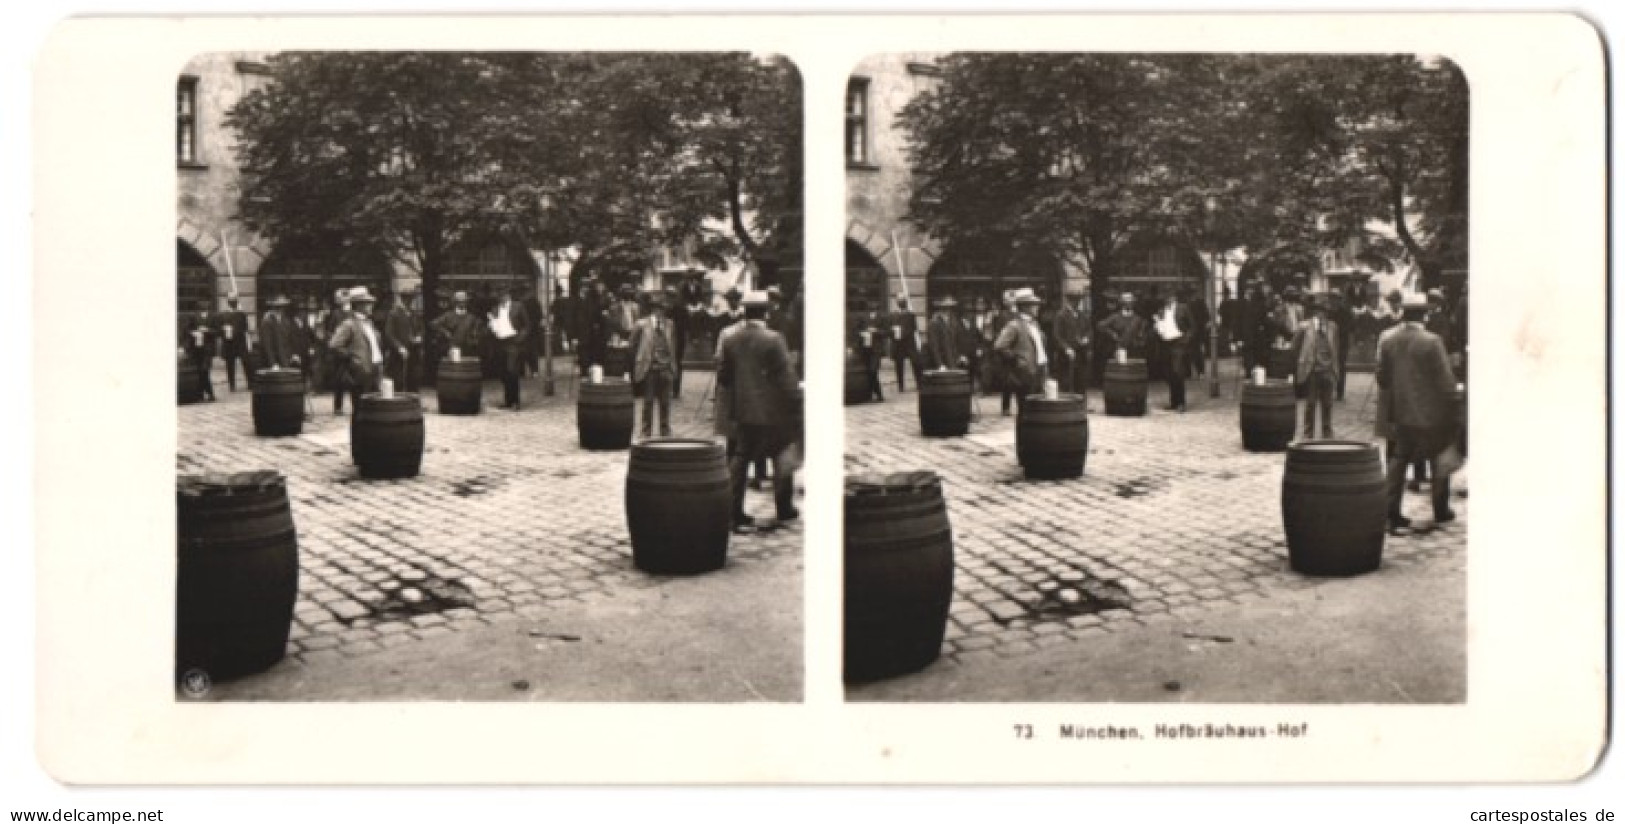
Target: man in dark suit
654, 363
942, 338
458, 329
904, 339
337, 369
1317, 355
866, 338
278, 337
1341, 315
755, 367
968, 343
1413, 369
1174, 325
198, 341
1125, 330
1071, 337
231, 330
359, 349
510, 326
399, 338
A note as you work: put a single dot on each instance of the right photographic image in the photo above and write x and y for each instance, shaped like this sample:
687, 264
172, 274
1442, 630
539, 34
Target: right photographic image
1156, 378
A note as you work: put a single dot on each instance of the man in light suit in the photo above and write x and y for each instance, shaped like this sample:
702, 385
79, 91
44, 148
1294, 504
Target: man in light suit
755, 367
1021, 347
654, 362
1317, 348
358, 349
1414, 371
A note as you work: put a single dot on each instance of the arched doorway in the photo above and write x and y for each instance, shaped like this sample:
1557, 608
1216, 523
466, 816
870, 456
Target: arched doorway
484, 265
194, 281
969, 270
309, 270
1152, 266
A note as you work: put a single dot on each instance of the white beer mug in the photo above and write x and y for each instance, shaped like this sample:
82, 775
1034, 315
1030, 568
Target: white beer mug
386, 388
596, 374
1052, 389
456, 355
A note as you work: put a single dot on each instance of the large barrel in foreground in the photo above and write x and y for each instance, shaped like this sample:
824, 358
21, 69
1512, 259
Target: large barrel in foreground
457, 386
899, 576
604, 415
677, 505
1052, 436
386, 436
944, 402
279, 402
1267, 416
188, 388
237, 573
1334, 507
1125, 388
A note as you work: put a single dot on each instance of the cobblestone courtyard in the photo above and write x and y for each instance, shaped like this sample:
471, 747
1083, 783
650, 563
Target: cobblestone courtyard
508, 518
1171, 519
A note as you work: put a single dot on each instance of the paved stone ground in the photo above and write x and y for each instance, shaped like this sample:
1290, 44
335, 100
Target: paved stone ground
1171, 518
508, 515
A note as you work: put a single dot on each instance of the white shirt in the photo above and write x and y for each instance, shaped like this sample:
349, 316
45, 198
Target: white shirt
1038, 338
372, 340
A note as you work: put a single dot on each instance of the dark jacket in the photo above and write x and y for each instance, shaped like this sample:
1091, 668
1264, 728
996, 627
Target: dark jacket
237, 339
1414, 369
277, 340
755, 367
941, 343
462, 332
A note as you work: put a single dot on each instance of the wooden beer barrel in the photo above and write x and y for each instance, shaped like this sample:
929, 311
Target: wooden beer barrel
1125, 388
857, 381
1268, 415
944, 402
617, 361
1052, 436
386, 436
457, 386
677, 505
237, 573
1334, 506
604, 414
899, 574
188, 389
279, 402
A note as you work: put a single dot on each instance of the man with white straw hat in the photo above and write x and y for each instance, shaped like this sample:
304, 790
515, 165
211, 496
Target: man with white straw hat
1414, 370
1021, 347
358, 350
755, 367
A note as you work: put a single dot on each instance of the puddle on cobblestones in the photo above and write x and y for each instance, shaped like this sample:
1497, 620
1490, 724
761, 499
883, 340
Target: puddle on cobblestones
473, 486
1065, 595
418, 593
1132, 489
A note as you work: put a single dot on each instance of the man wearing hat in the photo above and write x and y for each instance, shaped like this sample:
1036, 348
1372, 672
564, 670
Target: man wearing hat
1288, 315
1316, 345
359, 349
654, 365
198, 342
865, 342
1174, 326
755, 367
278, 331
1414, 371
941, 338
510, 326
1124, 331
1021, 348
905, 347
968, 339
231, 329
459, 328
1071, 335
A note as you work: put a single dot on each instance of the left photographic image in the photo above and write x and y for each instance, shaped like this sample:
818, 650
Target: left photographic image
488, 372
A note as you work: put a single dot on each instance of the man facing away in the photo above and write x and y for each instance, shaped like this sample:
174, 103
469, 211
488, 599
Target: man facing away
358, 349
1317, 348
654, 364
1021, 347
755, 367
1414, 369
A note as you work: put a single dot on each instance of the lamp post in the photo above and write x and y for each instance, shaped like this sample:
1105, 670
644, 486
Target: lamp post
1215, 291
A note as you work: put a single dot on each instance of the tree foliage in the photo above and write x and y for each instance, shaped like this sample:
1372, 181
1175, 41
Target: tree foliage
1078, 153
605, 155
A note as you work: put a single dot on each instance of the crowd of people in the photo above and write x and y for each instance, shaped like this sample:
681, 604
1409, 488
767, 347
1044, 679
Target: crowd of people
753, 341
1418, 344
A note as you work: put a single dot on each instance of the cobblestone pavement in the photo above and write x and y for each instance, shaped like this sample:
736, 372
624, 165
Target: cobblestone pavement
1171, 517
507, 516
